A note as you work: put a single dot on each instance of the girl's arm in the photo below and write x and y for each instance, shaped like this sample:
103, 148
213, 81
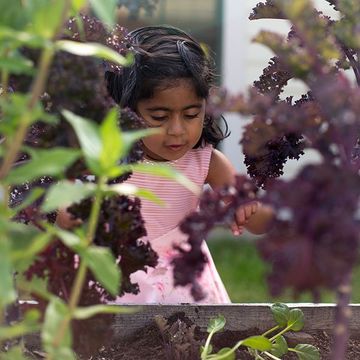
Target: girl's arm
254, 216
66, 221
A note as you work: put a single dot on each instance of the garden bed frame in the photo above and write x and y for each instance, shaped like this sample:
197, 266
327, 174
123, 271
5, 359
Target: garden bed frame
239, 317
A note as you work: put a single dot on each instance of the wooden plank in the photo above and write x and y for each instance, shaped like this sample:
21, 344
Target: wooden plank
238, 316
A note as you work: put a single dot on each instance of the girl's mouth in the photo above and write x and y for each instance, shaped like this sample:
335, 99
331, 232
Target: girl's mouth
175, 147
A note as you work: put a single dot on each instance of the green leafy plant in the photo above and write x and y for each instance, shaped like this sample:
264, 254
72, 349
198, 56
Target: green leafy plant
270, 345
30, 246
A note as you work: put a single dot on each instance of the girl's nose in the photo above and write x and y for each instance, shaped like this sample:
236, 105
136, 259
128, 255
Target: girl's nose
176, 126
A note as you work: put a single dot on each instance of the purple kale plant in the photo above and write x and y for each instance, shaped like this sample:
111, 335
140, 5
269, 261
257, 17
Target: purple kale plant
314, 240
120, 228
215, 207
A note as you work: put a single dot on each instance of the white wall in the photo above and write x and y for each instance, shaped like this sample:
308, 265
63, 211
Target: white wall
243, 62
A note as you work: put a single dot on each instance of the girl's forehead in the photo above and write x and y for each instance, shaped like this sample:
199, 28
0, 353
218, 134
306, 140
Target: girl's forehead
177, 87
180, 94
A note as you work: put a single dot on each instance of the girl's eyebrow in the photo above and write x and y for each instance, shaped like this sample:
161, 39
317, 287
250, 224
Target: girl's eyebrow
163, 108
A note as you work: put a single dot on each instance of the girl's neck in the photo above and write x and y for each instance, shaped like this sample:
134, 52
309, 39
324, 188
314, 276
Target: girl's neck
149, 157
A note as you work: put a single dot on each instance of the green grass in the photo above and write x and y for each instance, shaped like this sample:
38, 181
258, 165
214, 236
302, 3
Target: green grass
244, 273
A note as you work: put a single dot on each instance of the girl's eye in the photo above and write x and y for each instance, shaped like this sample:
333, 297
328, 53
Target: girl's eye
191, 116
158, 118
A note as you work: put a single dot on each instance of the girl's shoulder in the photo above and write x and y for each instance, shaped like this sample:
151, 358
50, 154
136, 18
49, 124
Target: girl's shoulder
221, 171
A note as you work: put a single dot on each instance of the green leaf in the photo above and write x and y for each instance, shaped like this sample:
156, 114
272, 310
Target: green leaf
14, 110
15, 353
317, 41
29, 325
133, 190
307, 352
12, 107
89, 138
25, 246
230, 355
33, 195
20, 38
102, 264
17, 64
111, 138
296, 320
95, 50
56, 313
130, 137
7, 290
163, 171
77, 5
82, 313
216, 324
280, 347
46, 16
297, 59
13, 14
105, 10
36, 286
65, 193
258, 342
281, 314
70, 239
49, 162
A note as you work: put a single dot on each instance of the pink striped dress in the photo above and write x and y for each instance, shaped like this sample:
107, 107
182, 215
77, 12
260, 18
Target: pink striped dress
161, 222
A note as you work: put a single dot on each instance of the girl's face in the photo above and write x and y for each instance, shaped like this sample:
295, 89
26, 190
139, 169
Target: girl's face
179, 113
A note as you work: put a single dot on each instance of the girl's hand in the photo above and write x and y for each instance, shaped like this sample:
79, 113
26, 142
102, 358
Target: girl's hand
66, 221
242, 216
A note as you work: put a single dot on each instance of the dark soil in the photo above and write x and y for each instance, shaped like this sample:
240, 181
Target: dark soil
179, 339
176, 338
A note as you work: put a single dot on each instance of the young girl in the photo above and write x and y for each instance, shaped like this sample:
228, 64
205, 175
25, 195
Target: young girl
168, 85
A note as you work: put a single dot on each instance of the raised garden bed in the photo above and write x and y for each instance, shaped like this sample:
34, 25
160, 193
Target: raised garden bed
137, 336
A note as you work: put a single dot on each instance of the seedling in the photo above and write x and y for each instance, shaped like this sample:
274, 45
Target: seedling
269, 345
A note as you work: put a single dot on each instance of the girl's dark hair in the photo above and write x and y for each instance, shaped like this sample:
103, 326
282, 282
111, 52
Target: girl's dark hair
163, 55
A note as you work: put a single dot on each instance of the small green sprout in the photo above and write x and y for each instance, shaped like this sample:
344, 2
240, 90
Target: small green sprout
263, 347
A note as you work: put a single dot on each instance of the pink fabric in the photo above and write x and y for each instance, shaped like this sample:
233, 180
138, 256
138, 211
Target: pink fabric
161, 222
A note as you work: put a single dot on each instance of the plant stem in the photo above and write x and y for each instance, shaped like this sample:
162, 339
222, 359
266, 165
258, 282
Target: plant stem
4, 83
342, 317
353, 62
4, 194
37, 89
206, 346
93, 222
271, 356
81, 274
5, 77
280, 333
225, 355
94, 215
270, 330
259, 357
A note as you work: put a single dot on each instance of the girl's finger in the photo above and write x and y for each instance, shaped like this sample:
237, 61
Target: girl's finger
240, 216
234, 229
248, 211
